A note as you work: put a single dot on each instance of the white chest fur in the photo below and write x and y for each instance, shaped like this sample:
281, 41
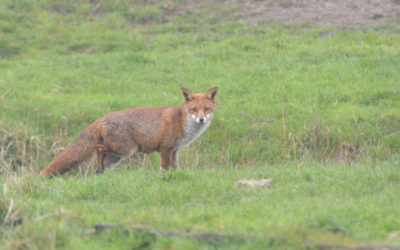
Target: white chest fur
193, 130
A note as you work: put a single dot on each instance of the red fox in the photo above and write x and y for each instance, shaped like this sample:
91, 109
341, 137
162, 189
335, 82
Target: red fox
146, 130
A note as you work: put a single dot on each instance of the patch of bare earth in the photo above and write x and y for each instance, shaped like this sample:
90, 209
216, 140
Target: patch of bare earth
320, 13
326, 13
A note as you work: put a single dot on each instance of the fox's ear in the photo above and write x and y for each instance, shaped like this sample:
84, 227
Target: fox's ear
212, 93
187, 95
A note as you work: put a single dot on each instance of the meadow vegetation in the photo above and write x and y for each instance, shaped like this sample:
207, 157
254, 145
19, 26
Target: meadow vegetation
318, 113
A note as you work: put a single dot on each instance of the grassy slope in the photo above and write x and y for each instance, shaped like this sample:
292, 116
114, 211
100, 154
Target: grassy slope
62, 65
321, 204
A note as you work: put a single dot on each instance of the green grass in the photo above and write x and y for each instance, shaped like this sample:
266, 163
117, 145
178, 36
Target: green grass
332, 147
352, 204
328, 97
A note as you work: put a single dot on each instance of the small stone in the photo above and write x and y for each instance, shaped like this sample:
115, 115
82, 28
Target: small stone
255, 183
327, 34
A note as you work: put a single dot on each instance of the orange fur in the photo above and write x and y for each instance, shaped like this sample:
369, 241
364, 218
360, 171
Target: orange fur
146, 130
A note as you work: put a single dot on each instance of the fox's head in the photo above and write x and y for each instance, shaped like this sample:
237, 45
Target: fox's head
200, 107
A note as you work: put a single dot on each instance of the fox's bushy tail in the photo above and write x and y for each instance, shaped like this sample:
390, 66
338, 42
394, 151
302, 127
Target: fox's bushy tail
78, 151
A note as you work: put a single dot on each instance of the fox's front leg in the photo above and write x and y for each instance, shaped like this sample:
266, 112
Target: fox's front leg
174, 159
165, 159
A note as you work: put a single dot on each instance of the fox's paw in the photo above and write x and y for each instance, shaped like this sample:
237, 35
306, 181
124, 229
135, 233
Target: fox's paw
164, 169
99, 171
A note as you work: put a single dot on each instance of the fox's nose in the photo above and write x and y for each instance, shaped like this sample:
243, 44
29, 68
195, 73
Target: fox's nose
201, 120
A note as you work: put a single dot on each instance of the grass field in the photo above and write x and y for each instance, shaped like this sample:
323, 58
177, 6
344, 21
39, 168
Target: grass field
318, 113
307, 205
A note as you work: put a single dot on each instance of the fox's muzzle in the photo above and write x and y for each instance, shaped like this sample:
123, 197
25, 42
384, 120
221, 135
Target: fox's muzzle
202, 120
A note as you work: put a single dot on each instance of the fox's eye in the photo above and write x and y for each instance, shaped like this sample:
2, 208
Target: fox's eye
206, 109
194, 110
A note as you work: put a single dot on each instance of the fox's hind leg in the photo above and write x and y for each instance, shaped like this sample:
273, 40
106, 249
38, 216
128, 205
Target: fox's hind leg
105, 159
101, 154
112, 145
